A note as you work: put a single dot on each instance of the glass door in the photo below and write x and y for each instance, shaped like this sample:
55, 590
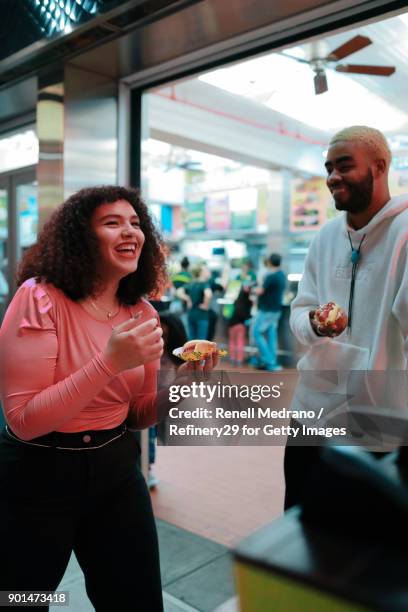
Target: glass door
26, 196
18, 226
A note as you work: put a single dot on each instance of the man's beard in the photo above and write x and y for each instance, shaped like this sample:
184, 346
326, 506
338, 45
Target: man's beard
360, 195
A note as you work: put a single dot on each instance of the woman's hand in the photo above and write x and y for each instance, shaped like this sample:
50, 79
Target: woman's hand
133, 344
204, 365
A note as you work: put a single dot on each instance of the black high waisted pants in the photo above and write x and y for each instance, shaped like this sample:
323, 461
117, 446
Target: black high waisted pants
94, 502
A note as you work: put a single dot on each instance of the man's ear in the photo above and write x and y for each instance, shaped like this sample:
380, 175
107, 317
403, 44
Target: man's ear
380, 168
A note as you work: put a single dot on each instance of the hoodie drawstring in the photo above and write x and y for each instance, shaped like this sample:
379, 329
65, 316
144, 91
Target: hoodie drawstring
355, 257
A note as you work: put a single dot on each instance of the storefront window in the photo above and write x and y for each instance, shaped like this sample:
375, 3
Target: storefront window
27, 207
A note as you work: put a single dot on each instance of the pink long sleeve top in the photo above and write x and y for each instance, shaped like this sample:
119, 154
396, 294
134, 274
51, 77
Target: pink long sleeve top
53, 376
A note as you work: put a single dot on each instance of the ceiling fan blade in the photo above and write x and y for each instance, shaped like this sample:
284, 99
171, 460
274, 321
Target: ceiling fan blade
298, 59
351, 46
361, 69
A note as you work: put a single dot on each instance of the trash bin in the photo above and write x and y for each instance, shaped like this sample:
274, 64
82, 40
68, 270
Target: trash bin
290, 567
343, 550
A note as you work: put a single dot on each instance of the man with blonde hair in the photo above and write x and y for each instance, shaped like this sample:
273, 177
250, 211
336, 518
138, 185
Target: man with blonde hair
359, 261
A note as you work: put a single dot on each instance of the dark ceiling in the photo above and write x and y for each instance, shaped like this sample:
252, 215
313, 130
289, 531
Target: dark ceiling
34, 20
29, 29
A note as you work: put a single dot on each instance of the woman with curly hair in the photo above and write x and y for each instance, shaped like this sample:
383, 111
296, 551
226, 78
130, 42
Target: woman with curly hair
79, 352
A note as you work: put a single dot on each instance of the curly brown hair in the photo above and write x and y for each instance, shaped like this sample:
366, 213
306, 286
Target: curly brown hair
66, 253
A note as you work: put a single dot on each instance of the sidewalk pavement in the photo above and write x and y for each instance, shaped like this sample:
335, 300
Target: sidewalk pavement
196, 574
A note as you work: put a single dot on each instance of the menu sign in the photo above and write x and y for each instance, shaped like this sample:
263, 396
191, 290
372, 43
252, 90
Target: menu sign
310, 200
217, 212
194, 216
243, 204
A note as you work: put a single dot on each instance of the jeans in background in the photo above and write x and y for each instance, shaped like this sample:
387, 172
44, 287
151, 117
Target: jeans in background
265, 332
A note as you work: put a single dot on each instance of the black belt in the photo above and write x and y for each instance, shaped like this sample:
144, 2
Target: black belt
82, 440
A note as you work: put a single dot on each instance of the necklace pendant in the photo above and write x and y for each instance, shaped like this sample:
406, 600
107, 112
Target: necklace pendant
355, 256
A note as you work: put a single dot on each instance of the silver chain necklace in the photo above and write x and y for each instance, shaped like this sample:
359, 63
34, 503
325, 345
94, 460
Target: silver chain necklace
109, 314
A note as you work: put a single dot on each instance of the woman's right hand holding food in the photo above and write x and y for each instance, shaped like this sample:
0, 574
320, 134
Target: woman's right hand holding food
133, 344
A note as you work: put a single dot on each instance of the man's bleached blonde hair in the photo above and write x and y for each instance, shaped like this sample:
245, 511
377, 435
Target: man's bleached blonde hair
371, 138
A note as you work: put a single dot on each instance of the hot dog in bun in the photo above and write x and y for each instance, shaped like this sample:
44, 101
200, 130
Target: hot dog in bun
196, 350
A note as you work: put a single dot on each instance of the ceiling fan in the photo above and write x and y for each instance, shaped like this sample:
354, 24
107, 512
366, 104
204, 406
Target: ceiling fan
319, 64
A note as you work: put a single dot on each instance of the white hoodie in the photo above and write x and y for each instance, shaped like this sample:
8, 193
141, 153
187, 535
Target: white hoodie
379, 334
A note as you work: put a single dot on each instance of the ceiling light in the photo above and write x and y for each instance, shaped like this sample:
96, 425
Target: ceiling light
404, 18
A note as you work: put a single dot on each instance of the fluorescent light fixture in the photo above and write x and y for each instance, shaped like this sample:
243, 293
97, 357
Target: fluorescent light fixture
285, 85
243, 200
294, 277
404, 18
19, 150
59, 14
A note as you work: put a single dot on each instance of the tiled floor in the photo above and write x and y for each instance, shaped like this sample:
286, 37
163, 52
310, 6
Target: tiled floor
221, 493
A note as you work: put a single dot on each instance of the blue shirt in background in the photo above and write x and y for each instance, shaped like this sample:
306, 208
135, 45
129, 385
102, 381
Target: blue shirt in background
274, 286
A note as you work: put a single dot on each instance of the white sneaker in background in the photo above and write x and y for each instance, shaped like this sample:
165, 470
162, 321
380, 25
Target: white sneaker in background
152, 480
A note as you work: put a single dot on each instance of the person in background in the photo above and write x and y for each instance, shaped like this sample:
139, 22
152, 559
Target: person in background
247, 274
174, 336
198, 296
217, 290
79, 352
238, 311
180, 280
237, 326
265, 329
158, 297
183, 277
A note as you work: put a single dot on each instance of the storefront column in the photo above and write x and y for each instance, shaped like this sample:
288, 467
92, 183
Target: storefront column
276, 211
50, 132
91, 129
287, 177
